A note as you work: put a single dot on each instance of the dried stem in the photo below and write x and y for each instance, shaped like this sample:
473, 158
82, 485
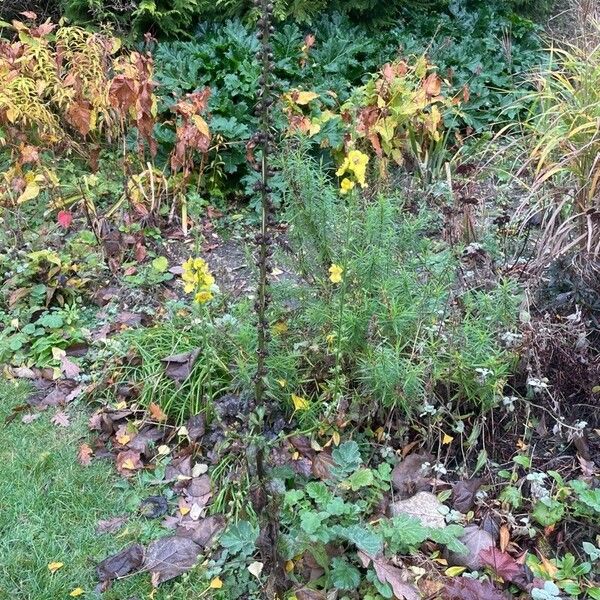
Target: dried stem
263, 139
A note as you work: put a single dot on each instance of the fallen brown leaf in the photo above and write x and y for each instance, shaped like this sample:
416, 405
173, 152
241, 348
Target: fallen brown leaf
409, 476
156, 412
69, 368
476, 540
84, 455
169, 557
202, 532
463, 494
504, 538
127, 561
128, 462
464, 588
110, 525
394, 576
179, 366
61, 418
321, 465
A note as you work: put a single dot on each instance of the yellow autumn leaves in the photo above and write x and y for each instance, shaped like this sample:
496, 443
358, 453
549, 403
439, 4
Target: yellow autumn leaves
55, 566
198, 280
354, 168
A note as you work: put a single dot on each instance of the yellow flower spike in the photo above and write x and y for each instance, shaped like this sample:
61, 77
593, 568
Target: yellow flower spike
188, 288
300, 403
189, 277
346, 185
358, 165
343, 167
335, 273
203, 296
208, 280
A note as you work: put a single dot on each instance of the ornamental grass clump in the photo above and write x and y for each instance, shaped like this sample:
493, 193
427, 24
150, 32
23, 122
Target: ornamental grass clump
565, 132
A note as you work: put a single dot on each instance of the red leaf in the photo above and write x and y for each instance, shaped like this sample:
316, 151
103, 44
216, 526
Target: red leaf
502, 563
79, 114
463, 588
64, 219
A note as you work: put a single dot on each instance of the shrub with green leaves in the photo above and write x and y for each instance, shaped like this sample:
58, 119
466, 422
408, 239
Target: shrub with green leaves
464, 44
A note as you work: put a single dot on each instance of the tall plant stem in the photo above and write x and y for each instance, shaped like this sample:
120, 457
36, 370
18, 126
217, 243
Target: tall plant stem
263, 140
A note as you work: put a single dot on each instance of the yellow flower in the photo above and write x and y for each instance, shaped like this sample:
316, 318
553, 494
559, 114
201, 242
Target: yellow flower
200, 264
346, 185
203, 296
335, 273
197, 279
208, 280
188, 276
343, 167
358, 164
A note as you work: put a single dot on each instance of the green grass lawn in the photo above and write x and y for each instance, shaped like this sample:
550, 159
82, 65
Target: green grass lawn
50, 506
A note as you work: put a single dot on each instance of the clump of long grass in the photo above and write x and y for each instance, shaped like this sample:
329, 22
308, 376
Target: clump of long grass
565, 130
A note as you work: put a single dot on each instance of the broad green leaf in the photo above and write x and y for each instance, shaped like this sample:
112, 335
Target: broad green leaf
346, 458
404, 534
511, 495
311, 521
449, 537
364, 539
240, 538
318, 491
524, 461
360, 479
344, 576
548, 511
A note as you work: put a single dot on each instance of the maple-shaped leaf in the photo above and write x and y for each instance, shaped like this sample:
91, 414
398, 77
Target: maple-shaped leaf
84, 455
61, 418
64, 218
465, 588
502, 563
